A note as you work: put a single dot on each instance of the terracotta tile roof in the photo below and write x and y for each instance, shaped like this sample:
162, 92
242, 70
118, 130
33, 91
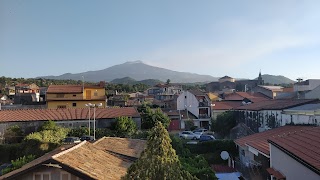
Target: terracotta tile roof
93, 162
304, 145
84, 158
275, 104
64, 89
222, 168
225, 105
239, 96
123, 146
65, 114
259, 141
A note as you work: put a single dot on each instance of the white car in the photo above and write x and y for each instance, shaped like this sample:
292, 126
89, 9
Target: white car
189, 135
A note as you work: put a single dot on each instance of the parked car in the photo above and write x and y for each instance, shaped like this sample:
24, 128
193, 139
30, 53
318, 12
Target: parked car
87, 138
200, 131
71, 140
206, 137
188, 135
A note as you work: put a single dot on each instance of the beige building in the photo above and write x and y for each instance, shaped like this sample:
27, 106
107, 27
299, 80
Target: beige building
75, 96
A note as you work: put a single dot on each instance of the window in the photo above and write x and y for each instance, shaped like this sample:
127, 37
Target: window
68, 176
95, 93
74, 95
60, 95
42, 176
74, 104
61, 106
185, 97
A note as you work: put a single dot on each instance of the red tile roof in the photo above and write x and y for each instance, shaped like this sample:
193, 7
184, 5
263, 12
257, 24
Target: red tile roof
65, 89
124, 146
65, 114
85, 159
275, 104
239, 96
259, 141
225, 105
302, 144
222, 169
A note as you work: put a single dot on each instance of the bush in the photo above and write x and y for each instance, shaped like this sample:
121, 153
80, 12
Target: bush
125, 126
10, 151
13, 134
18, 163
197, 166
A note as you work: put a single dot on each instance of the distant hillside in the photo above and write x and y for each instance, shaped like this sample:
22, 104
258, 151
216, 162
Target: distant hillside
272, 79
131, 81
138, 71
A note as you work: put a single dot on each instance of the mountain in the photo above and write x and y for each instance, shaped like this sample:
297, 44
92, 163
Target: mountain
131, 81
138, 71
272, 79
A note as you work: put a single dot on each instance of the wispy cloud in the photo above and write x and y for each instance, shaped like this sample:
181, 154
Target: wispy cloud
238, 42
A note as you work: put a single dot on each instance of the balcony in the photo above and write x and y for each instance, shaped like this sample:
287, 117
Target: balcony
204, 116
204, 104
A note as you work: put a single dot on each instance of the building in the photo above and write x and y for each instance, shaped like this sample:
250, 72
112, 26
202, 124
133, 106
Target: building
304, 114
27, 94
264, 115
165, 95
310, 87
75, 96
29, 120
255, 154
227, 84
198, 104
270, 91
295, 155
107, 158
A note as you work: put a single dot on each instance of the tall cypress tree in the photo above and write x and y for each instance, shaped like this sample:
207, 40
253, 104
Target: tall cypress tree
159, 160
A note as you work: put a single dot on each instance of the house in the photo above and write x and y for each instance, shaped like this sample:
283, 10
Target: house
245, 97
220, 107
254, 150
264, 115
75, 96
269, 91
107, 158
30, 119
26, 93
178, 119
227, 84
295, 155
304, 114
310, 87
197, 103
165, 95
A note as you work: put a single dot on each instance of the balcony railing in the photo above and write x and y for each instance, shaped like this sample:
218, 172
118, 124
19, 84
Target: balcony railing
203, 104
204, 116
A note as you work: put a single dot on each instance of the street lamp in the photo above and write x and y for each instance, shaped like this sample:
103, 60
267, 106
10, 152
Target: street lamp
94, 117
89, 105
212, 105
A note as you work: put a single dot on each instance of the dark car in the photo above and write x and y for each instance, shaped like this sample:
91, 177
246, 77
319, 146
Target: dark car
206, 137
71, 140
87, 138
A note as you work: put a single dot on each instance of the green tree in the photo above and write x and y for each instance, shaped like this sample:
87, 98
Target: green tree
168, 81
150, 118
18, 163
159, 160
125, 126
48, 125
224, 123
13, 134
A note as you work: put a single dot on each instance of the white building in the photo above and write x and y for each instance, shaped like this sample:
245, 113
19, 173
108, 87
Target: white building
198, 104
295, 155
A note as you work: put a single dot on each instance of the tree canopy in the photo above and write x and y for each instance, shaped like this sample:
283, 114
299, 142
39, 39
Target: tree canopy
151, 117
224, 123
125, 126
159, 160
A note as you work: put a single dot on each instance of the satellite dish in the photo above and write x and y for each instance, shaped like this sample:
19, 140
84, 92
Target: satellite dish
224, 155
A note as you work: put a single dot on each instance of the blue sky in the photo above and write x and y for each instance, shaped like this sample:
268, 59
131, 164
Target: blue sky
235, 38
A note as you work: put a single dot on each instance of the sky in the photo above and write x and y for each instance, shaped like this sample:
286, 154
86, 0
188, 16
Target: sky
212, 37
